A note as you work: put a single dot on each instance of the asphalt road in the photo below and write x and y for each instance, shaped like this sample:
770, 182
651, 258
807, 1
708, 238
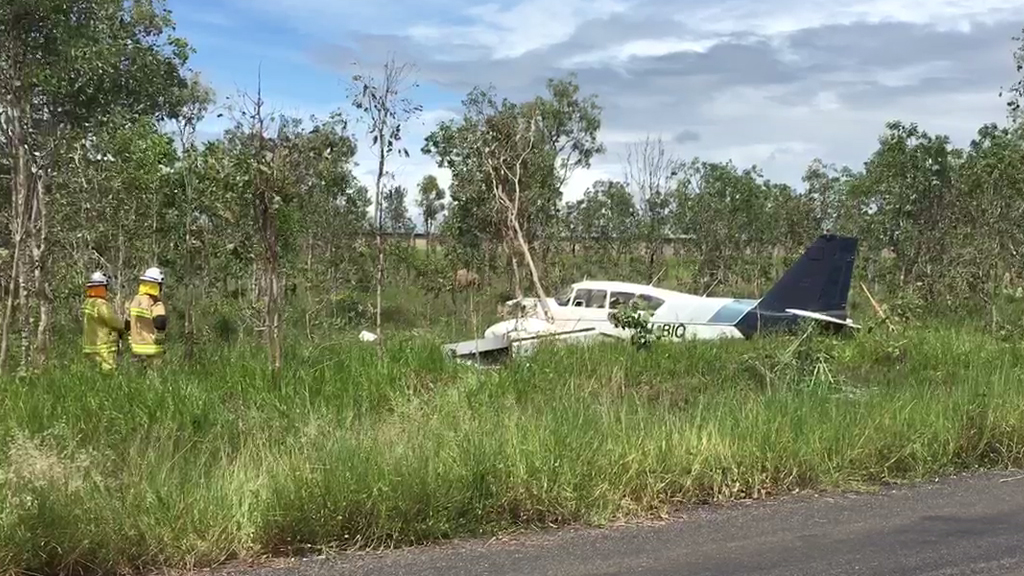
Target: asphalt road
971, 525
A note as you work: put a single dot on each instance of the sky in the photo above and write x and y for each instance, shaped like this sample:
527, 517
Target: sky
774, 84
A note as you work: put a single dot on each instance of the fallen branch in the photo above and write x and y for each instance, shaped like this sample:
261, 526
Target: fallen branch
878, 308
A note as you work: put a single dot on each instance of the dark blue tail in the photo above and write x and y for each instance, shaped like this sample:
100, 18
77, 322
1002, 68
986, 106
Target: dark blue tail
819, 281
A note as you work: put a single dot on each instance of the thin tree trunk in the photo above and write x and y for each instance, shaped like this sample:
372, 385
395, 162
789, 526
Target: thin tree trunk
190, 283
309, 260
380, 242
331, 272
517, 284
271, 280
120, 284
39, 270
512, 210
380, 279
533, 272
274, 313
9, 308
255, 284
204, 278
310, 301
19, 198
128, 219
190, 325
266, 216
154, 259
24, 306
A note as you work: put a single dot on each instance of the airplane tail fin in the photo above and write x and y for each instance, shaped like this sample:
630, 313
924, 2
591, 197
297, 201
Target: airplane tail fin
819, 281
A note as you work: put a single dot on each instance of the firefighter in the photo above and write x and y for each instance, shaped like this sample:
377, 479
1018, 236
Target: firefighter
146, 321
102, 328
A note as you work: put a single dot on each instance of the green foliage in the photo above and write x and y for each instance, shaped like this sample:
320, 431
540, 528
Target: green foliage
509, 162
431, 202
637, 321
72, 57
396, 214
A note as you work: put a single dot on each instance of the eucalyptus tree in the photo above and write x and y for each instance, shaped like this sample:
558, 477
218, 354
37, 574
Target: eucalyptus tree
509, 162
608, 222
385, 107
63, 73
910, 186
650, 172
430, 201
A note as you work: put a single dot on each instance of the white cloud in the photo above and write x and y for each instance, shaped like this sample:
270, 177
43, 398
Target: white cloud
620, 53
820, 92
896, 77
512, 31
532, 24
582, 179
787, 137
732, 16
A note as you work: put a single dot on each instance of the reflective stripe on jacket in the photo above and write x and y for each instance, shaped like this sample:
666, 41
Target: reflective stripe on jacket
145, 339
100, 326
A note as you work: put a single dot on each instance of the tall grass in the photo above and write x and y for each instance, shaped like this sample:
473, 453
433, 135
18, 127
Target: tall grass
193, 466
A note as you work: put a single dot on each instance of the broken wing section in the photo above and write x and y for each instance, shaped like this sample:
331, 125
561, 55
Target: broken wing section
519, 337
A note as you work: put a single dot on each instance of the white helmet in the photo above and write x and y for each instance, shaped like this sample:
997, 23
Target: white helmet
153, 275
97, 279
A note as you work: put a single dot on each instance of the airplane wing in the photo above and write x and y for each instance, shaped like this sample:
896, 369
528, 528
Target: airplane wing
500, 347
822, 317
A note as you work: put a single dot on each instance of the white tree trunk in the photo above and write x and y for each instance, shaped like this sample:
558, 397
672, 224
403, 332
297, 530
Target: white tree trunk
39, 246
19, 204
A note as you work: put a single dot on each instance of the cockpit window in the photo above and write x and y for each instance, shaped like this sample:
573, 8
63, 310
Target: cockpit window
589, 298
562, 298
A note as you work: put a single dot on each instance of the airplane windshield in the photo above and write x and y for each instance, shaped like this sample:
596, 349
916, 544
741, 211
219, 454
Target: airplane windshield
562, 299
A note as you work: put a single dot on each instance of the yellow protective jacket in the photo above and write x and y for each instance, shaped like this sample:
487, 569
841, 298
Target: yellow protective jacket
100, 327
146, 323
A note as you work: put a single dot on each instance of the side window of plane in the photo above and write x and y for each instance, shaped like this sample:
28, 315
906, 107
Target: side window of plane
589, 298
649, 303
598, 299
620, 299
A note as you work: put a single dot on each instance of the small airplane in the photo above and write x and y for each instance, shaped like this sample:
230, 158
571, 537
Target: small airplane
816, 287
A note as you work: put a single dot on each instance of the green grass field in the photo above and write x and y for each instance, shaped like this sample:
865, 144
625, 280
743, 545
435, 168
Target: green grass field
195, 466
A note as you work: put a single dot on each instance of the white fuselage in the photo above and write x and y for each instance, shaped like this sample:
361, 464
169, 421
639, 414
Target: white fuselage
589, 304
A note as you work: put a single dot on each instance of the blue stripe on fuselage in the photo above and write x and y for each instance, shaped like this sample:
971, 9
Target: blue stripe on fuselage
759, 321
731, 312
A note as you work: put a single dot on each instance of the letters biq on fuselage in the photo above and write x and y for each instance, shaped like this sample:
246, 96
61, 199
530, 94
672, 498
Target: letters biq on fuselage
815, 287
